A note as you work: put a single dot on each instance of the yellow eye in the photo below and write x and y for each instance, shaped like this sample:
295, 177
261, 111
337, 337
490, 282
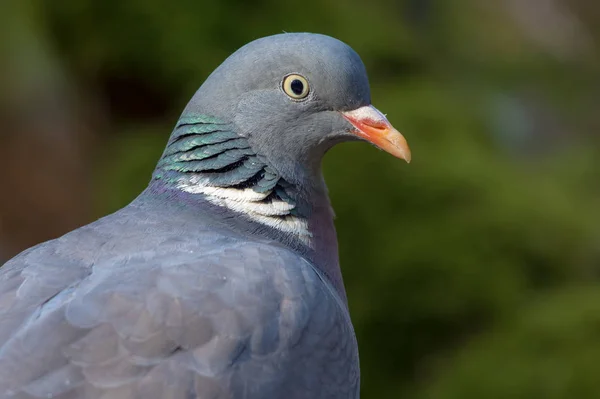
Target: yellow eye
295, 86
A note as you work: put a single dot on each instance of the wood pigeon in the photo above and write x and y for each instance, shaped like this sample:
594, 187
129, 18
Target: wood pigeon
221, 279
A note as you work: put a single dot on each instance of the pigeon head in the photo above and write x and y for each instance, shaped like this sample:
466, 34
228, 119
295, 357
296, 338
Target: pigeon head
252, 137
294, 96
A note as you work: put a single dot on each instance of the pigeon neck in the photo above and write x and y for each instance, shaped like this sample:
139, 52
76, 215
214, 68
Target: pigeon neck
205, 156
208, 160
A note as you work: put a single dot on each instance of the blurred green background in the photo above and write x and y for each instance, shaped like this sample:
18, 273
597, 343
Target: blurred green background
474, 272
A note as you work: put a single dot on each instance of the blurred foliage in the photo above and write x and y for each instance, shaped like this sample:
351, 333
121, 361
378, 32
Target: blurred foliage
548, 351
473, 272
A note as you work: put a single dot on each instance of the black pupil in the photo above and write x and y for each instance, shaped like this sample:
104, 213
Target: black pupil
297, 87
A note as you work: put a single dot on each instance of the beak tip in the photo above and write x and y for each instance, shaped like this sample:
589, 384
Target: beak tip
406, 157
402, 150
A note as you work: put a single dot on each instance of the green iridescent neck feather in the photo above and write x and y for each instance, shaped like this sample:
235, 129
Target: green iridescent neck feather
206, 156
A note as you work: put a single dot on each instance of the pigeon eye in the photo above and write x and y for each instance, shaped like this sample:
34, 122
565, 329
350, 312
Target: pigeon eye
295, 86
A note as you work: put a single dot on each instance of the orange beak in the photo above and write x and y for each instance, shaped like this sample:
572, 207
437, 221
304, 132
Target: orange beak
373, 126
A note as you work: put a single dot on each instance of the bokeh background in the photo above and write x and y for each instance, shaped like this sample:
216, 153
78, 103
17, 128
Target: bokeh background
474, 272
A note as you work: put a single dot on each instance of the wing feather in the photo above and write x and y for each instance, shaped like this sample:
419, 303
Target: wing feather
234, 320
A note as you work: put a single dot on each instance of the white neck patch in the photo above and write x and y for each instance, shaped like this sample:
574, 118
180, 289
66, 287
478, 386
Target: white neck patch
275, 214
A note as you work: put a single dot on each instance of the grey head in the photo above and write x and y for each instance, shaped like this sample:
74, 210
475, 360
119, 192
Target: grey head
292, 130
252, 137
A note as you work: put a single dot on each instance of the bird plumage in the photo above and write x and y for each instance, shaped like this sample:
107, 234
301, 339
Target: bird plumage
221, 280
194, 311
